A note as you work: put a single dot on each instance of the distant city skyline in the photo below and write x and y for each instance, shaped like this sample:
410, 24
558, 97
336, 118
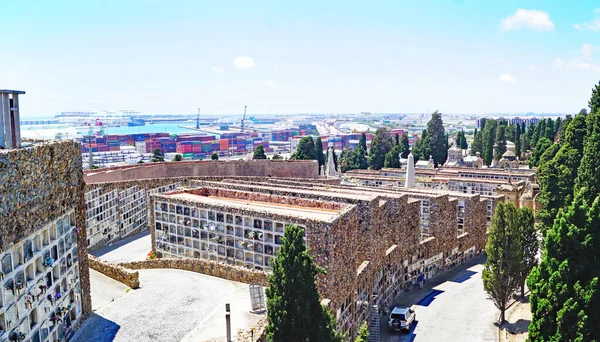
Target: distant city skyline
336, 57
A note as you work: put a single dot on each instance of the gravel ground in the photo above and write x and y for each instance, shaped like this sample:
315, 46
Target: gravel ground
171, 305
133, 248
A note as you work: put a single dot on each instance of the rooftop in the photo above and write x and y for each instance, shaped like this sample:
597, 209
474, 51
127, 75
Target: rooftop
273, 208
8, 91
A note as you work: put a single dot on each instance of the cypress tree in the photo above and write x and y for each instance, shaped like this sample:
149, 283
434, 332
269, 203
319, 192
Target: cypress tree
477, 144
529, 245
294, 310
362, 141
404, 146
557, 176
589, 168
489, 138
565, 293
319, 152
517, 141
540, 148
500, 141
502, 270
594, 101
438, 143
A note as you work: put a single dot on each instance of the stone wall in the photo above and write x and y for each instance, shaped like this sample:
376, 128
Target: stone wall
116, 272
255, 334
260, 168
37, 185
208, 267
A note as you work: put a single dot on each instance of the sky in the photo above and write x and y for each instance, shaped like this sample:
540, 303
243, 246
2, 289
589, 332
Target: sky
154, 56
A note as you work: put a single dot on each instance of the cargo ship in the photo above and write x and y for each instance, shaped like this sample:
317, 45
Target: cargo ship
136, 122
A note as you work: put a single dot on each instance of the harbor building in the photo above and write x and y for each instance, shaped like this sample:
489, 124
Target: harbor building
44, 292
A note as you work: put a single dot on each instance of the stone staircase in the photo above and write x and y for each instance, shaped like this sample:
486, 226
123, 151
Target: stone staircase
374, 324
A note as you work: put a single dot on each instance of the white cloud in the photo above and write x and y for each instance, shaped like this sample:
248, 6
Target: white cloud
271, 84
558, 63
587, 49
243, 62
530, 19
592, 25
507, 78
218, 68
575, 64
533, 68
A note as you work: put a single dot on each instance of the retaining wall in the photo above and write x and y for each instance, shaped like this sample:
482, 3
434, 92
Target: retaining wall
116, 272
261, 168
208, 267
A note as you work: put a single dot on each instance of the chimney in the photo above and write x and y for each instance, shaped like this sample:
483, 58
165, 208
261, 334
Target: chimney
10, 126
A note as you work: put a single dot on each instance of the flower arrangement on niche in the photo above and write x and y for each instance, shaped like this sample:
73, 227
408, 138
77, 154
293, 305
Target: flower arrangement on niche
151, 256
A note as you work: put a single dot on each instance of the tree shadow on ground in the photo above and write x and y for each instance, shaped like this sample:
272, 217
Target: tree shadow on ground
96, 328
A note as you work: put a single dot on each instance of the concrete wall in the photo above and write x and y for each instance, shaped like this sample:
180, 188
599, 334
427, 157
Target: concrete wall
37, 185
116, 272
208, 267
261, 168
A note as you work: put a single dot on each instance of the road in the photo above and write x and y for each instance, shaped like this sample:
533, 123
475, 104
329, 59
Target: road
453, 307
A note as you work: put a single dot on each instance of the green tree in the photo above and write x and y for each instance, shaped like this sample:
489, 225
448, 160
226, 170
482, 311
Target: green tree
363, 333
319, 152
214, 156
404, 146
540, 148
548, 154
557, 176
517, 141
380, 145
589, 169
500, 145
277, 157
305, 150
501, 273
178, 157
565, 293
157, 156
489, 139
437, 138
259, 152
421, 149
140, 162
362, 141
294, 310
594, 102
529, 245
477, 144
392, 158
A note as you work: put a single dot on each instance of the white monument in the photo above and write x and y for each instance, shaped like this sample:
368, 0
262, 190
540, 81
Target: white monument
410, 171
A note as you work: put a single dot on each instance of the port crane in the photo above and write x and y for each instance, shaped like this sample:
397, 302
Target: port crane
243, 123
198, 120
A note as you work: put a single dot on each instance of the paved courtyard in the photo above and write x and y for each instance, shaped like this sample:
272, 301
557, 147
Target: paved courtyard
452, 307
171, 305
132, 248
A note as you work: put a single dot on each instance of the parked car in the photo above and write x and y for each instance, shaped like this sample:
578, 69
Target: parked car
401, 318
